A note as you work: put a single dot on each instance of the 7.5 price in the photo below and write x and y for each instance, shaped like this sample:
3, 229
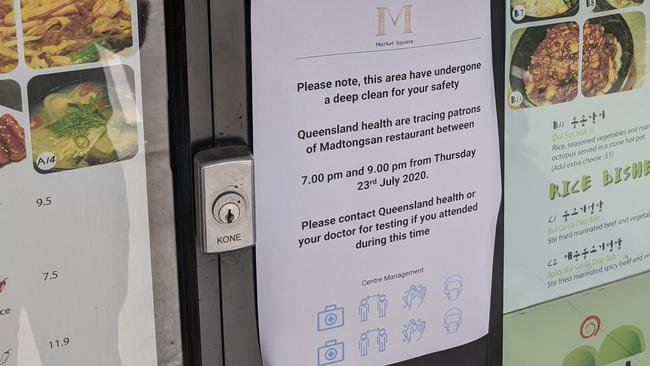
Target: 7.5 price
44, 201
50, 276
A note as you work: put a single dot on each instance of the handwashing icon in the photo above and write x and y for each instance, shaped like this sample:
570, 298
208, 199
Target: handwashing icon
413, 330
414, 296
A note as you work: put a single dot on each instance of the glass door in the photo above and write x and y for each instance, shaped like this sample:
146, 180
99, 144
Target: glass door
228, 306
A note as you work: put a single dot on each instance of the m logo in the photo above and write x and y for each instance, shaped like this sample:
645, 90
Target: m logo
384, 12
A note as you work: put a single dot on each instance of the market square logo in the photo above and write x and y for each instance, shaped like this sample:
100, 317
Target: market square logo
404, 16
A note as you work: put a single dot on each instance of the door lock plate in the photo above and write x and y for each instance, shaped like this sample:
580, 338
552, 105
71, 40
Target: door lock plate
224, 199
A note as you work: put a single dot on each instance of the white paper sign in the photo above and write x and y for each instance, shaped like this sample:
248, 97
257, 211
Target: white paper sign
377, 175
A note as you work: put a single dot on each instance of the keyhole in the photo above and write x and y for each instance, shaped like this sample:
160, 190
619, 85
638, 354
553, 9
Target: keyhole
230, 217
228, 210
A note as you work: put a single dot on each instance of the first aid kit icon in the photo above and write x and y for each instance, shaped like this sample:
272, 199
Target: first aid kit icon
330, 318
332, 352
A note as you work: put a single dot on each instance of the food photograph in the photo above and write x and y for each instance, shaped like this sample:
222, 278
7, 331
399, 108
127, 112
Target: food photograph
604, 5
8, 42
83, 118
10, 95
535, 10
12, 141
613, 54
68, 32
545, 64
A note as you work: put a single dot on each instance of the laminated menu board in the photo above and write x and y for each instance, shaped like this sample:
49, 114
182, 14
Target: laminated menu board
377, 178
577, 169
75, 264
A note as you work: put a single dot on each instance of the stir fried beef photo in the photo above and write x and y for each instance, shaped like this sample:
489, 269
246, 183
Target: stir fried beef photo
601, 60
552, 76
65, 32
8, 43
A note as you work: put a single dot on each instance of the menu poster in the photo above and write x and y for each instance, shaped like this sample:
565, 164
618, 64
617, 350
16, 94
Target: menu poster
75, 271
377, 178
577, 167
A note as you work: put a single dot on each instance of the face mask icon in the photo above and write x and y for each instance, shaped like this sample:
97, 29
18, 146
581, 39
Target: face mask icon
453, 287
453, 320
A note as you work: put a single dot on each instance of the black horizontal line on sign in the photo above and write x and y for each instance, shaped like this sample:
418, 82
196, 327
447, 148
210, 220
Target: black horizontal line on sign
391, 49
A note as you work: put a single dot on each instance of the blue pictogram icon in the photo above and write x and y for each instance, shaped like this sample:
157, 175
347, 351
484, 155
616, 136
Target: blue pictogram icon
332, 352
330, 318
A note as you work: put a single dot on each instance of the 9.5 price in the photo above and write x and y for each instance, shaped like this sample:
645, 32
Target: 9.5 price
44, 201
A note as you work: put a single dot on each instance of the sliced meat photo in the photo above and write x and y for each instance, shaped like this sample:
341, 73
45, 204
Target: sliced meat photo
12, 141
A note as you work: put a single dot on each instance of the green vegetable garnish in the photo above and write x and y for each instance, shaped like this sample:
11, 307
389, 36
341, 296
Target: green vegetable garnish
89, 52
99, 97
79, 119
